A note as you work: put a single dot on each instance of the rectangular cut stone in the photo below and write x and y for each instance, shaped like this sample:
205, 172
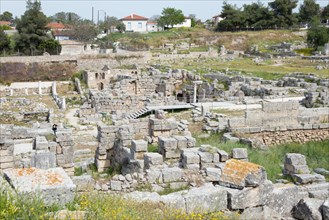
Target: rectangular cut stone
84, 183
190, 141
206, 157
41, 143
223, 155
295, 159
139, 145
175, 154
239, 153
152, 159
191, 158
181, 142
44, 160
168, 144
172, 174
53, 185
207, 198
213, 174
115, 185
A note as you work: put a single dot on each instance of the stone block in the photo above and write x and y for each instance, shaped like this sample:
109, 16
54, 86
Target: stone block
190, 141
181, 142
259, 213
7, 159
168, 144
308, 178
172, 174
152, 159
43, 160
207, 198
223, 155
102, 164
174, 200
154, 176
295, 159
206, 157
116, 185
174, 154
238, 174
7, 165
213, 174
194, 167
279, 198
292, 169
53, 185
307, 208
190, 158
250, 196
139, 145
41, 143
84, 183
239, 153
325, 210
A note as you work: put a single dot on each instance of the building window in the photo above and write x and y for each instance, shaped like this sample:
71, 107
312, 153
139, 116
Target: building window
140, 25
129, 26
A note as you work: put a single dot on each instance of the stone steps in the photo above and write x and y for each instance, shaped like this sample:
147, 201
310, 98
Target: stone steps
138, 113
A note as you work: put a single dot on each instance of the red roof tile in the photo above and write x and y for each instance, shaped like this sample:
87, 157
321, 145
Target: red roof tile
134, 17
5, 23
55, 25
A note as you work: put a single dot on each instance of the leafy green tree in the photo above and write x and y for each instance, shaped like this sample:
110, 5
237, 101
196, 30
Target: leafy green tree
6, 16
257, 15
308, 10
170, 17
32, 30
66, 17
84, 31
121, 27
234, 18
325, 14
317, 35
4, 41
283, 14
51, 46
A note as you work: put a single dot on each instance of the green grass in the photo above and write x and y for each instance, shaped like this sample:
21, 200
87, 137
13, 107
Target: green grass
152, 148
94, 206
316, 153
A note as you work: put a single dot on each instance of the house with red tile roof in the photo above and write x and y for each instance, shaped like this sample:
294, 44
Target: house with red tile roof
135, 23
60, 31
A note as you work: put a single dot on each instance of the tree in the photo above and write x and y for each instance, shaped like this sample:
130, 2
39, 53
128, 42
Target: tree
308, 10
325, 14
282, 10
6, 16
32, 30
4, 41
170, 17
317, 35
233, 18
121, 27
66, 17
84, 31
257, 15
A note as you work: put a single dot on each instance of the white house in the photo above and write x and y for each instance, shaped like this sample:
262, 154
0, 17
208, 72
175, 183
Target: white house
216, 19
152, 26
135, 23
187, 23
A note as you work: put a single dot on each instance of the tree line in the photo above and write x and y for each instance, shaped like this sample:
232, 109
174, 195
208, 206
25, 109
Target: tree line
278, 14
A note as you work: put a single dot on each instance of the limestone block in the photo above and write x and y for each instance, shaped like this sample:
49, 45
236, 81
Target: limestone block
239, 153
154, 176
194, 167
238, 174
139, 145
300, 169
115, 185
144, 196
181, 142
84, 183
223, 155
136, 155
44, 160
172, 174
213, 174
259, 213
206, 157
7, 165
63, 135
102, 164
295, 159
174, 200
151, 159
308, 178
307, 208
190, 158
7, 159
279, 198
173, 154
168, 144
207, 198
54, 185
41, 143
249, 196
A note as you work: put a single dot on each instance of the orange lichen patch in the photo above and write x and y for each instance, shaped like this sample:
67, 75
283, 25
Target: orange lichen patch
53, 179
237, 170
25, 171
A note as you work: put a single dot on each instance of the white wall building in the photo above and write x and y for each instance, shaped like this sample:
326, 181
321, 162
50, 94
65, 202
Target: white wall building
135, 23
187, 23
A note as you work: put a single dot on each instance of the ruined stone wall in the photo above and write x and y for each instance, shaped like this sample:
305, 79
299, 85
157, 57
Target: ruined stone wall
295, 136
280, 116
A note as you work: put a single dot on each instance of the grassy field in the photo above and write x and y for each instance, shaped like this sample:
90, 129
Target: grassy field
317, 154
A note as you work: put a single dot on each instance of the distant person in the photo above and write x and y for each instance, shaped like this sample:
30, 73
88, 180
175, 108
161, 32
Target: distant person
54, 128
